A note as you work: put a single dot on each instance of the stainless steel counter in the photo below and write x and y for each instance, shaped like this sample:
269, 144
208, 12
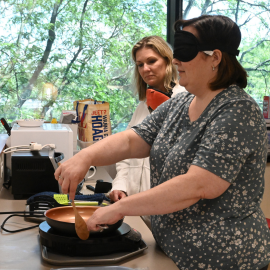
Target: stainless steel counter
22, 250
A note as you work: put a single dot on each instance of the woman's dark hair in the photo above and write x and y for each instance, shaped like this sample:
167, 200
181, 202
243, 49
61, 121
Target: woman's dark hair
218, 29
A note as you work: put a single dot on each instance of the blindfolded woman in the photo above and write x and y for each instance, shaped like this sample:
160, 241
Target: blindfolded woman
208, 150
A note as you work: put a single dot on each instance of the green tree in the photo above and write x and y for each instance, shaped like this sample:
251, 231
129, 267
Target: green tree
81, 47
253, 20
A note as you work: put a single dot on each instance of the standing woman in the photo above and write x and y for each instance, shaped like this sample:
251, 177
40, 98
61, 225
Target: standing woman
208, 150
156, 80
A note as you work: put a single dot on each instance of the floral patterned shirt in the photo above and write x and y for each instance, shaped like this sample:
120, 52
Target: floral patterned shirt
229, 139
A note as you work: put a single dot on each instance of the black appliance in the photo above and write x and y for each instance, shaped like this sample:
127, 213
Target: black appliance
63, 249
100, 187
33, 172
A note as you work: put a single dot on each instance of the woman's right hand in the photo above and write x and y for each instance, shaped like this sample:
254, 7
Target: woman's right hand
71, 172
117, 195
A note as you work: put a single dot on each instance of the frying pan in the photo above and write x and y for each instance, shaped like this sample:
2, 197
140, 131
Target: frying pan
62, 219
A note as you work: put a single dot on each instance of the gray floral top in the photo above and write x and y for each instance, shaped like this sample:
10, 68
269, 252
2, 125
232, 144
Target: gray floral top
229, 140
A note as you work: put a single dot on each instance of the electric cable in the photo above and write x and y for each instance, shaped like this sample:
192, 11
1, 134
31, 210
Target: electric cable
17, 214
31, 147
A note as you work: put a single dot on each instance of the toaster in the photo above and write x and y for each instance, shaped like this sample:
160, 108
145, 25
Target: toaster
33, 172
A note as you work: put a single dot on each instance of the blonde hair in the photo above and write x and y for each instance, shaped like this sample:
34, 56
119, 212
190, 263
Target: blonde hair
160, 46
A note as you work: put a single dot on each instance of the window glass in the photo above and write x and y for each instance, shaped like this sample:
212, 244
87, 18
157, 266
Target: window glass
56, 52
253, 19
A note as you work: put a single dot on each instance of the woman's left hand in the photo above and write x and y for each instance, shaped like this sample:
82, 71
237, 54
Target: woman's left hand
104, 216
117, 195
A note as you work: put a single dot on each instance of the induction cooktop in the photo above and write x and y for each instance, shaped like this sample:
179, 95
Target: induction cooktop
61, 249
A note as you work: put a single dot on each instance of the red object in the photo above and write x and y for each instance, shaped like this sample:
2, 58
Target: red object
268, 222
266, 107
155, 97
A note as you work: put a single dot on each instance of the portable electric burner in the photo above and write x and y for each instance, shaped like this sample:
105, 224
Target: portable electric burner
62, 249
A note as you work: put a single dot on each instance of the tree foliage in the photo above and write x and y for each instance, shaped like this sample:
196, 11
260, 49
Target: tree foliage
253, 18
82, 47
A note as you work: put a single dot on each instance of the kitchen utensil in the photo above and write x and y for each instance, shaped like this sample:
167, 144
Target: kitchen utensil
62, 219
63, 200
80, 224
84, 203
6, 126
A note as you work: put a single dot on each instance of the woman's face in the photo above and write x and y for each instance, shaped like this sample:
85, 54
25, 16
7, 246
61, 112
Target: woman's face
197, 73
152, 67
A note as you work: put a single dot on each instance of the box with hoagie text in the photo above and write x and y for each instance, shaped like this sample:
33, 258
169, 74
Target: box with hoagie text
93, 118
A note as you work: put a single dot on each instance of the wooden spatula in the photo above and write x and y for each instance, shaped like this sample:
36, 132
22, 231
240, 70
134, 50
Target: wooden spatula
80, 224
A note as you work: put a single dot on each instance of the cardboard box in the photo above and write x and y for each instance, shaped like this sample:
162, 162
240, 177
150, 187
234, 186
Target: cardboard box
94, 117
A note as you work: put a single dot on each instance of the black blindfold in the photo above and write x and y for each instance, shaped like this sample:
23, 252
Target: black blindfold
187, 46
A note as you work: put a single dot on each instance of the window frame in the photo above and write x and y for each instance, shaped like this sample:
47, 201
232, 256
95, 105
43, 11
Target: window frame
174, 13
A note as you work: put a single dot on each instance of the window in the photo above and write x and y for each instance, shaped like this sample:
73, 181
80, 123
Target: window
253, 18
56, 52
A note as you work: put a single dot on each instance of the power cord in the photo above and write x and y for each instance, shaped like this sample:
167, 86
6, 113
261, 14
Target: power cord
32, 147
20, 214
